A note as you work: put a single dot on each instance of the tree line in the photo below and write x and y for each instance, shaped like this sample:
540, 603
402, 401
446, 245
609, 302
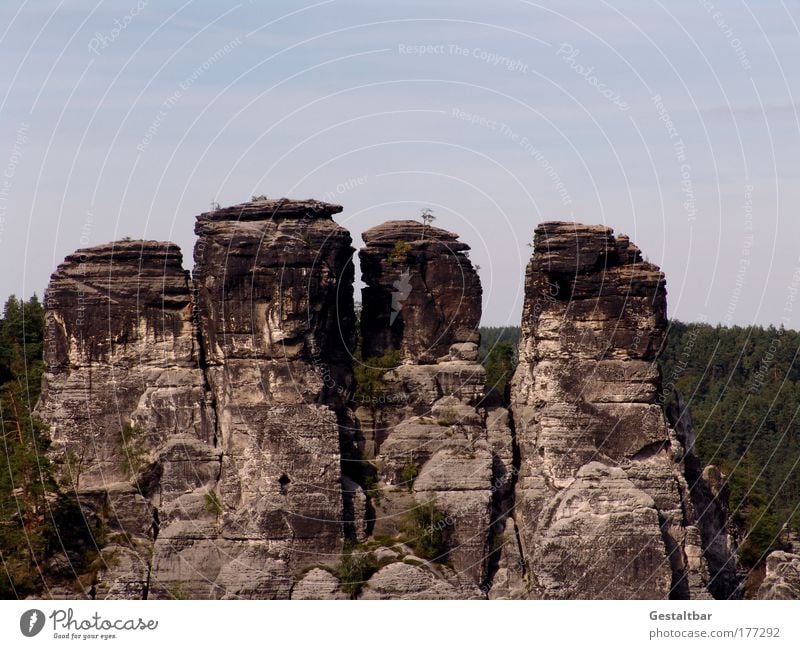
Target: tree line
42, 529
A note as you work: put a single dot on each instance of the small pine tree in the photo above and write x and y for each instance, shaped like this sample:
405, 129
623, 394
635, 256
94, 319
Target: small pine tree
428, 218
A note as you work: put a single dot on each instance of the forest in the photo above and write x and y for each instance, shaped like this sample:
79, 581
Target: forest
42, 528
741, 386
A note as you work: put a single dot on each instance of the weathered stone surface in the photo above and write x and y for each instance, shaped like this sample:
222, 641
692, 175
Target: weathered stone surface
782, 580
509, 580
428, 439
404, 581
123, 383
599, 539
356, 510
274, 290
121, 356
422, 294
318, 584
124, 574
716, 536
204, 420
600, 467
459, 482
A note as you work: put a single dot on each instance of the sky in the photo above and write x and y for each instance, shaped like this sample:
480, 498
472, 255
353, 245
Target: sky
675, 122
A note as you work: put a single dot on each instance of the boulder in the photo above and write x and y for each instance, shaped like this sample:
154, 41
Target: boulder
782, 580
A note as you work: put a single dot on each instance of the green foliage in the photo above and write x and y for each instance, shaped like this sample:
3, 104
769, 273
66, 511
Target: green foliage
742, 386
178, 591
70, 528
498, 354
492, 336
370, 386
212, 503
26, 479
426, 530
409, 473
400, 252
21, 345
36, 521
355, 568
498, 542
500, 365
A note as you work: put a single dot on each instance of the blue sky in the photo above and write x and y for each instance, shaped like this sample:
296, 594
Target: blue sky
497, 115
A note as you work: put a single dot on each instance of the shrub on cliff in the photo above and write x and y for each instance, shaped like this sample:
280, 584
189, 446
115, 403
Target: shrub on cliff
370, 386
354, 570
498, 354
426, 529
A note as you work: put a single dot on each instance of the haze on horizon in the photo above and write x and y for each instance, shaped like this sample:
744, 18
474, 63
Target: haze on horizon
676, 124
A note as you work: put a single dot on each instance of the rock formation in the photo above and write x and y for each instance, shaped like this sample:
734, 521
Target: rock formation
782, 580
123, 389
708, 491
602, 503
422, 294
232, 441
214, 450
426, 431
120, 350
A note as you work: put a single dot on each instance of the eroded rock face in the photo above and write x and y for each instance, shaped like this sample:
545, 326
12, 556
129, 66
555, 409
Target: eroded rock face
422, 297
601, 540
603, 507
201, 423
120, 351
318, 584
275, 303
404, 581
782, 580
427, 436
123, 382
715, 552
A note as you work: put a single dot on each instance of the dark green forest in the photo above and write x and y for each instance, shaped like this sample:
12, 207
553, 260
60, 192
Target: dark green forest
25, 477
499, 356
742, 387
37, 520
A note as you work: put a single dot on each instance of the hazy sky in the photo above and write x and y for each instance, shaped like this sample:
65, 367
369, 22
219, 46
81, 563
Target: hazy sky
675, 122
